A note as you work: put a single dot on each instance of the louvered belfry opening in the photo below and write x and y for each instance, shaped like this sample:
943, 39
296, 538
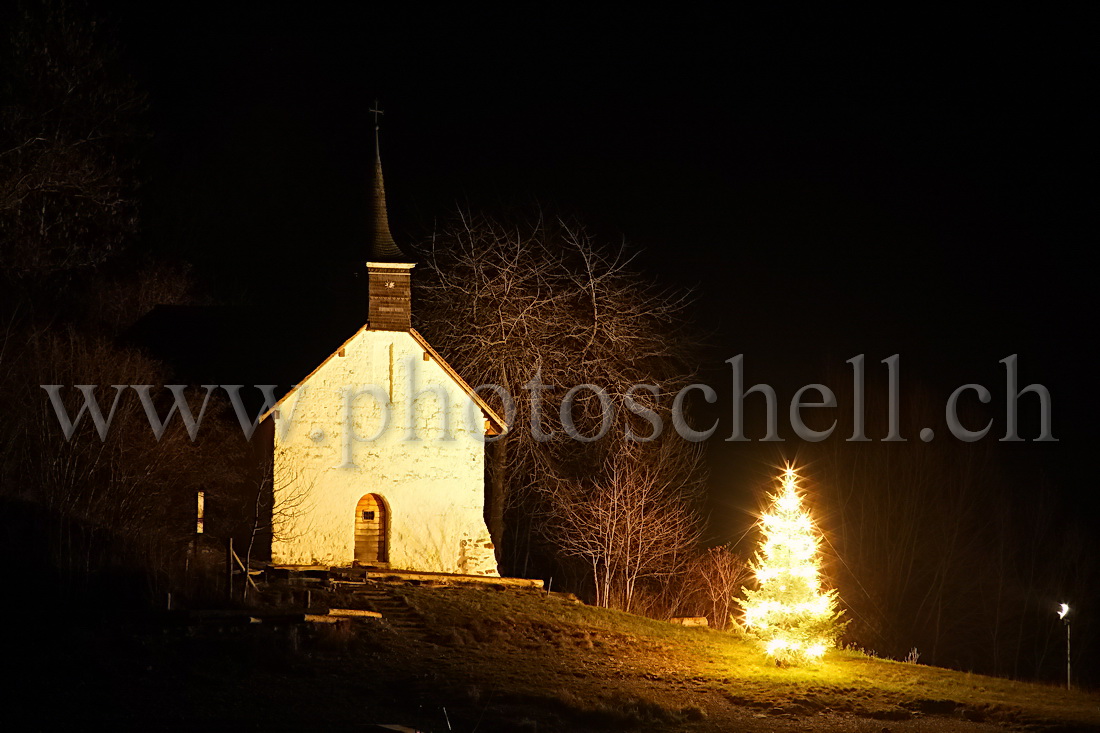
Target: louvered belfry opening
370, 530
390, 300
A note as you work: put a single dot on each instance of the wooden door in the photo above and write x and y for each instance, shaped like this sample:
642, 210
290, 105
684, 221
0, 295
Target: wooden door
370, 530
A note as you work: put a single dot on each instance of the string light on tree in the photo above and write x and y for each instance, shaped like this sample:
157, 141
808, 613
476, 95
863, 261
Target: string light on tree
789, 613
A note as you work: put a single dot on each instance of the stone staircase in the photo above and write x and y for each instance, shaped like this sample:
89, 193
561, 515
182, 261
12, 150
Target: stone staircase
395, 611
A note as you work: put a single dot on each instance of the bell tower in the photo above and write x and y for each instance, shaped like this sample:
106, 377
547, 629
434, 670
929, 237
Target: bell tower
389, 286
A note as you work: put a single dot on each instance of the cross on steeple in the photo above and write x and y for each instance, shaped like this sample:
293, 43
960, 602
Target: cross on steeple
376, 112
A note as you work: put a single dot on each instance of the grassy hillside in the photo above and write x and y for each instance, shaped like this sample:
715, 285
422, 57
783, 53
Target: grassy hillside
645, 671
478, 659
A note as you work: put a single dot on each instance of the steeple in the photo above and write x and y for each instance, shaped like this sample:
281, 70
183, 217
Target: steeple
388, 281
382, 246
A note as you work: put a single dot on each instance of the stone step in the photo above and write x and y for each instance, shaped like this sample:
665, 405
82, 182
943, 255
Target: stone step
395, 611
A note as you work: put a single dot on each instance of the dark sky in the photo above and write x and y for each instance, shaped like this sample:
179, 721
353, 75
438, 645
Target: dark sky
901, 183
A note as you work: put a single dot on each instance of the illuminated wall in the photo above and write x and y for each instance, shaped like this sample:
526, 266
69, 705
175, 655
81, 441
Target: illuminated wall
333, 446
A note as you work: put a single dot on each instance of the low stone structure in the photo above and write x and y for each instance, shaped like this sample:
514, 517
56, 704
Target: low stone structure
690, 620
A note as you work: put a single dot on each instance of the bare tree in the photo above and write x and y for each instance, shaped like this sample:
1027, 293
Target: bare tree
632, 522
69, 130
276, 504
716, 576
123, 498
541, 300
67, 139
706, 584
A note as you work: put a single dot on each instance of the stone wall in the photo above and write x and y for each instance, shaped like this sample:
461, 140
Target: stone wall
381, 417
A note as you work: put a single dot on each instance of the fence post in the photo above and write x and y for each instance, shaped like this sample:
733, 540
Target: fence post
229, 569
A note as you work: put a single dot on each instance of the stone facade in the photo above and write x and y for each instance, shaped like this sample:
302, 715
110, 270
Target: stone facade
383, 415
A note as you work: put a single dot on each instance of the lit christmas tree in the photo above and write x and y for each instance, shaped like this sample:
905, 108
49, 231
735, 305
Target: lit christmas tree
789, 613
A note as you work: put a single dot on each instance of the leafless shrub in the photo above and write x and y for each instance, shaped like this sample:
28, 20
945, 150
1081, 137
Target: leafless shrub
632, 522
710, 585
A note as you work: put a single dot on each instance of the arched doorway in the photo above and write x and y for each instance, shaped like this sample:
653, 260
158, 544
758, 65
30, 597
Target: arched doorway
370, 530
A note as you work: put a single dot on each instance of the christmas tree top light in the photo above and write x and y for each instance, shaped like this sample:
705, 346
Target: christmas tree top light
789, 613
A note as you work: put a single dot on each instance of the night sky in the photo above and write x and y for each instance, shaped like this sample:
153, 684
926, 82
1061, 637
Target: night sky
828, 185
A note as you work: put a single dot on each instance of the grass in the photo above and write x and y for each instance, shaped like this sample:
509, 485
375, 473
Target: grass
515, 660
527, 643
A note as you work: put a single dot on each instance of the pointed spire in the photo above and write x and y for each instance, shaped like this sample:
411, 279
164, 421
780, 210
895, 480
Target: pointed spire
382, 246
389, 286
